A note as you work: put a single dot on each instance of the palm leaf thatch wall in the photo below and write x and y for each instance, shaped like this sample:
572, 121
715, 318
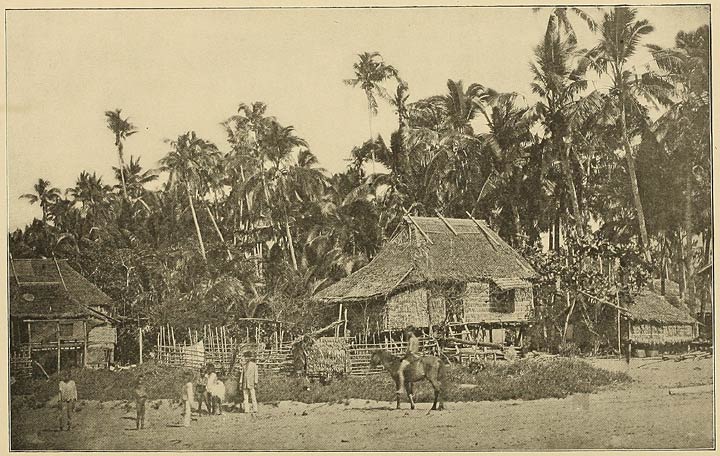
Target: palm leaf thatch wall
655, 321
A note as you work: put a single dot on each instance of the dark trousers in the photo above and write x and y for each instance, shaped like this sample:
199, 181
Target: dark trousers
66, 412
140, 418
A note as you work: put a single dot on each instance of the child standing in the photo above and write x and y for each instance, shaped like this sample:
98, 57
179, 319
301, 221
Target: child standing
66, 400
187, 396
249, 381
140, 398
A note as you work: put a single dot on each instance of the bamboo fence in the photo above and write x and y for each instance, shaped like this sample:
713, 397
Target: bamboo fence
224, 352
20, 365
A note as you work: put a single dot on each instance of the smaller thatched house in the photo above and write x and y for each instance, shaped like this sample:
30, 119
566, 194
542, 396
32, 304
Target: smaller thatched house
436, 271
57, 317
654, 321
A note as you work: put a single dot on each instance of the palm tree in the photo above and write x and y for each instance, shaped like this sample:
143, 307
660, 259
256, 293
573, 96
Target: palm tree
275, 184
506, 143
45, 195
370, 72
559, 23
189, 157
685, 128
89, 191
559, 79
278, 142
135, 177
620, 35
121, 128
398, 142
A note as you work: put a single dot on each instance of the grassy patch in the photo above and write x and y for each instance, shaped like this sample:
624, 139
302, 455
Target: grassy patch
523, 379
161, 382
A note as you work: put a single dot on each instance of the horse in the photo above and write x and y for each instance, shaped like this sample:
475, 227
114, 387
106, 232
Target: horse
426, 367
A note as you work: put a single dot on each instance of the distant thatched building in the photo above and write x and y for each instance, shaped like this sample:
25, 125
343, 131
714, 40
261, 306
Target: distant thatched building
654, 321
435, 271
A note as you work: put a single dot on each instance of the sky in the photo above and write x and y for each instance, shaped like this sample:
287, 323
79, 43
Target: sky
172, 71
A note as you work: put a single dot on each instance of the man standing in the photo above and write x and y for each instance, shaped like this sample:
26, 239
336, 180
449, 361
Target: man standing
66, 400
412, 354
249, 381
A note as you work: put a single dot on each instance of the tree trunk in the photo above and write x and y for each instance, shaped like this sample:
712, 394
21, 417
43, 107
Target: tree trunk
372, 149
119, 145
634, 183
689, 252
558, 222
571, 304
290, 244
217, 230
197, 226
536, 157
572, 192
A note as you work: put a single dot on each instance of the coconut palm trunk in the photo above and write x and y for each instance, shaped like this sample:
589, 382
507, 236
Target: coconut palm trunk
637, 202
119, 144
219, 233
197, 225
688, 226
288, 235
564, 151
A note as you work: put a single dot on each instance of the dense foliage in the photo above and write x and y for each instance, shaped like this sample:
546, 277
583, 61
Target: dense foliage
254, 227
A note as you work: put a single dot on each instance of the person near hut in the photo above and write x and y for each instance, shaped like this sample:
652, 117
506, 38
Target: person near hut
187, 397
215, 392
140, 396
411, 355
203, 397
66, 400
248, 382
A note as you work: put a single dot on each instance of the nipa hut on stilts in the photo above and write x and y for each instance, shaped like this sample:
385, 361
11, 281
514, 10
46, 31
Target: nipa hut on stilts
436, 271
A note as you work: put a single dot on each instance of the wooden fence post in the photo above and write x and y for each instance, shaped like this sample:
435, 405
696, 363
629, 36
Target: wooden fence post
58, 345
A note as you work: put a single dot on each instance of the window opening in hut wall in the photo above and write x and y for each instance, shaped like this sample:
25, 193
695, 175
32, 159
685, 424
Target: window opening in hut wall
502, 300
66, 330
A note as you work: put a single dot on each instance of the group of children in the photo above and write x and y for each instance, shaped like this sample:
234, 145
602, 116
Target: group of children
210, 388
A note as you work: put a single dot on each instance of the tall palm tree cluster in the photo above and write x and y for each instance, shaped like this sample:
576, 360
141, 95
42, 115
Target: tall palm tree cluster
255, 228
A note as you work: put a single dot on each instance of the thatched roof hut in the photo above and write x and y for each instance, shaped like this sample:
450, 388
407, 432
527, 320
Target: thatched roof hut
54, 308
437, 269
654, 320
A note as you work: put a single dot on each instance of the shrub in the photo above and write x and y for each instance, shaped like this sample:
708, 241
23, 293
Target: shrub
523, 379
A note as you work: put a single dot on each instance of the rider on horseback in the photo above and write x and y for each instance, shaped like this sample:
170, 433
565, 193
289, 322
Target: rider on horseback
412, 354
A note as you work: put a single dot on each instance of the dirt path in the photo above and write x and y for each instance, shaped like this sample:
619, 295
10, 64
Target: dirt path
641, 415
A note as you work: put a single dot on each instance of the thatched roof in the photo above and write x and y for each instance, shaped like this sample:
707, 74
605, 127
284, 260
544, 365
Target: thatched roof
427, 249
651, 307
42, 288
672, 294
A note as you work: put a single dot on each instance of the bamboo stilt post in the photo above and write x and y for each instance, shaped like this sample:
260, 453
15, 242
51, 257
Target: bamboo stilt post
172, 331
85, 344
247, 335
617, 300
140, 342
346, 323
58, 345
